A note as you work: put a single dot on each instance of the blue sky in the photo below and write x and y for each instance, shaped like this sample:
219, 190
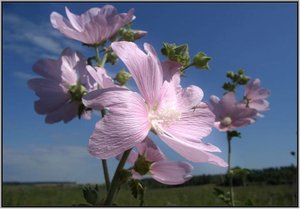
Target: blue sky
259, 37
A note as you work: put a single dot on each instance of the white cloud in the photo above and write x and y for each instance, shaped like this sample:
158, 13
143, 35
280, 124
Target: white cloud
33, 40
23, 76
52, 163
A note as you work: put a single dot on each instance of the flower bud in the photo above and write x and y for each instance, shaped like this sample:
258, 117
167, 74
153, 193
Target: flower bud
201, 61
179, 53
91, 194
122, 77
111, 57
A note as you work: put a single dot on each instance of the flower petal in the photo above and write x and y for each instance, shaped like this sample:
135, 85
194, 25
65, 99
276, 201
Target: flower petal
52, 94
193, 151
150, 150
171, 172
193, 125
125, 124
100, 76
66, 112
145, 69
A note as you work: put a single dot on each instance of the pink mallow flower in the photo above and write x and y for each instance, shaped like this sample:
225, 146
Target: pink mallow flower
229, 114
150, 160
92, 27
176, 115
255, 96
64, 83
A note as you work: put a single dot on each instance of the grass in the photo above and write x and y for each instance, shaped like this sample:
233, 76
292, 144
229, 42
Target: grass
67, 195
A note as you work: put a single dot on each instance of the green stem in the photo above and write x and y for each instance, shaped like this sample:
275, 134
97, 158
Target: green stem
104, 166
106, 174
102, 63
186, 67
97, 55
115, 180
229, 169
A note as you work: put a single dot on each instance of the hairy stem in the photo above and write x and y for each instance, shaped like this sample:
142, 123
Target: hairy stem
115, 180
229, 169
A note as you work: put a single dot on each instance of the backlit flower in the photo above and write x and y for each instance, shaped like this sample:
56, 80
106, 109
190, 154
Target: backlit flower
149, 160
63, 83
175, 114
229, 114
255, 96
92, 27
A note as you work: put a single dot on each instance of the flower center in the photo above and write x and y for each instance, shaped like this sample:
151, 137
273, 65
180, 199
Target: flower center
77, 91
141, 165
163, 117
226, 121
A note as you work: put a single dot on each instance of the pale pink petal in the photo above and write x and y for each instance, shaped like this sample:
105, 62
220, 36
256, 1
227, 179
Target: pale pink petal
259, 105
145, 69
124, 125
193, 125
190, 150
52, 94
74, 20
171, 71
136, 175
171, 172
151, 152
64, 26
100, 76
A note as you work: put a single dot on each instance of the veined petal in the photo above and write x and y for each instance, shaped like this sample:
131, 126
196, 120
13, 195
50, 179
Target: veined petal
124, 125
171, 172
193, 125
74, 20
150, 150
145, 69
193, 151
100, 76
259, 105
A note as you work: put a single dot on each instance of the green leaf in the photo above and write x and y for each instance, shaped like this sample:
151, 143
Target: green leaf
137, 190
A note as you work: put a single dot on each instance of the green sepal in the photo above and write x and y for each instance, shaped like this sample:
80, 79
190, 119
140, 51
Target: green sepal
201, 61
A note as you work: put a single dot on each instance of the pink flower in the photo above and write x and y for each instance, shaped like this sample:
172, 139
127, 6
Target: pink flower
92, 27
229, 114
176, 115
255, 97
150, 160
64, 83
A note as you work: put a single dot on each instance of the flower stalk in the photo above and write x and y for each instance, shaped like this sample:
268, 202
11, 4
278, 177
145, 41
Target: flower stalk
115, 181
229, 174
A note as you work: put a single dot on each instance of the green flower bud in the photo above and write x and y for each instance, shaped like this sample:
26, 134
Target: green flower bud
77, 91
122, 77
179, 53
111, 57
90, 194
201, 61
230, 74
142, 166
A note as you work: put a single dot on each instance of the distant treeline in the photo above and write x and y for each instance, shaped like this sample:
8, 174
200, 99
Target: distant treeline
242, 177
40, 183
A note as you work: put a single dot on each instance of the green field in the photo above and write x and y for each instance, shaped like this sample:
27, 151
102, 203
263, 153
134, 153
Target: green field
67, 195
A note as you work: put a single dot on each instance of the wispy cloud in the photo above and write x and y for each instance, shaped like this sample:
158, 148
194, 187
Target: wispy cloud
51, 163
33, 40
23, 76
